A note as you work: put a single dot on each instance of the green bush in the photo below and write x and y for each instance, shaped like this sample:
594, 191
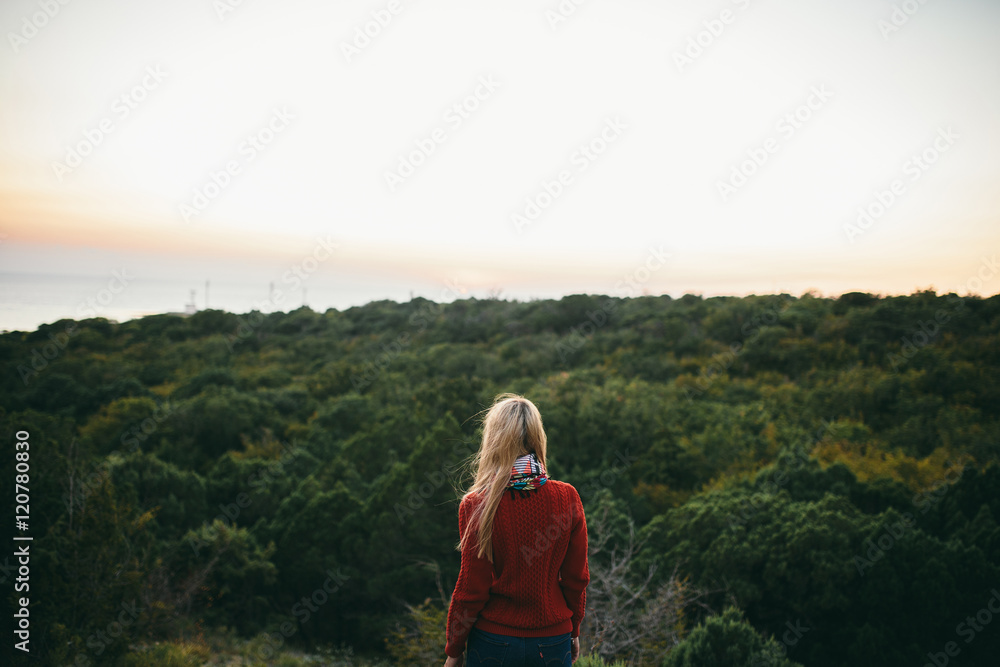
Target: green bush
168, 655
727, 640
595, 661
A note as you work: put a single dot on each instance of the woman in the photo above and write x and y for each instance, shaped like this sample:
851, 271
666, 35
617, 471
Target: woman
521, 590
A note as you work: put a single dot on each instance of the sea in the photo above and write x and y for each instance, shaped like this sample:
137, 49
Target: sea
29, 300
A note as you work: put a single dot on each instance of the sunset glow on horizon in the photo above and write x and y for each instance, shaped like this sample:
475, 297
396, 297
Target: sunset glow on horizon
765, 146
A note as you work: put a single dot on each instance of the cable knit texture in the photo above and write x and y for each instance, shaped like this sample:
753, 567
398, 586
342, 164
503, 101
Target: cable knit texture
536, 586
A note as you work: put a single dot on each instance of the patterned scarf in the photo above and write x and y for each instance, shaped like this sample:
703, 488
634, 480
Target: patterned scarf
526, 475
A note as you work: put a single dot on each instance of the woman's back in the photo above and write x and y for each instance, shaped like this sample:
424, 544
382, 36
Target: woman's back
539, 573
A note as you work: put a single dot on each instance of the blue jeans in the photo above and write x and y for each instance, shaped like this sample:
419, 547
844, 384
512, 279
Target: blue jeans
485, 649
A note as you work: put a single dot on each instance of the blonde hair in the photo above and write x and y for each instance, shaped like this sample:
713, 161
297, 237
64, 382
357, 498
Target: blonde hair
511, 428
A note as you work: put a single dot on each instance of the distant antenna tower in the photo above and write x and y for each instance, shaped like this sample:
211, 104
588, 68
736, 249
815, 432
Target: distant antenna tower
206, 295
191, 308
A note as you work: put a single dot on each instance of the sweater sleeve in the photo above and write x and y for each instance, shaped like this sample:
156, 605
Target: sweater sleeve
472, 589
575, 572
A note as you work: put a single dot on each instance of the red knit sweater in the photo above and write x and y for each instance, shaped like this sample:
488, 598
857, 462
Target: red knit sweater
536, 586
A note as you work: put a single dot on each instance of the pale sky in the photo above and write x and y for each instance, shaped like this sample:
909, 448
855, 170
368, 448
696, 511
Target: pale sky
668, 125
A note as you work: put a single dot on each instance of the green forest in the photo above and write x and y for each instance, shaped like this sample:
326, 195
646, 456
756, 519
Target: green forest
768, 480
